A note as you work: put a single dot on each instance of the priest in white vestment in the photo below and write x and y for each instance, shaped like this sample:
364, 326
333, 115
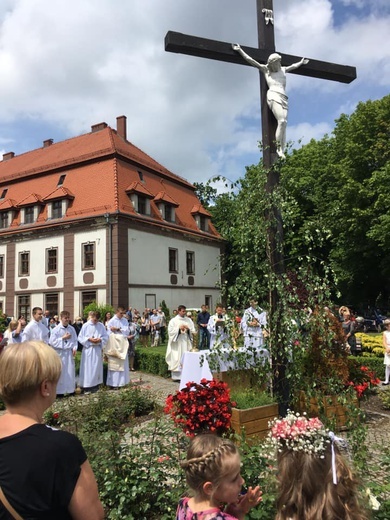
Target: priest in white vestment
63, 339
93, 336
180, 334
216, 326
116, 349
253, 324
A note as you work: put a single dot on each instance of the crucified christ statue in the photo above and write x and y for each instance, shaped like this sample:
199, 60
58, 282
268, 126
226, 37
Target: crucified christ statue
275, 76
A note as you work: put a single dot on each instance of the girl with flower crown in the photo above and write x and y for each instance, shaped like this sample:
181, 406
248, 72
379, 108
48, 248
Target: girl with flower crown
315, 482
212, 472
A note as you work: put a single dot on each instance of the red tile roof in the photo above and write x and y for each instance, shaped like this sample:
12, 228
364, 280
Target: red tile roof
101, 167
60, 193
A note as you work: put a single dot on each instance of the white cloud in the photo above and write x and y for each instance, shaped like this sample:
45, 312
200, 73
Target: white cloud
72, 64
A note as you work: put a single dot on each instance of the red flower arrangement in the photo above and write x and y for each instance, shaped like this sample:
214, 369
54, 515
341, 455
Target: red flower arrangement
201, 407
363, 379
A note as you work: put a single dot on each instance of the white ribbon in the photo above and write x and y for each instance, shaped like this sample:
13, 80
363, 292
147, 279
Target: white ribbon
341, 441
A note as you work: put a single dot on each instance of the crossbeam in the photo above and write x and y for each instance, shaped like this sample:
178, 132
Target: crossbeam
222, 51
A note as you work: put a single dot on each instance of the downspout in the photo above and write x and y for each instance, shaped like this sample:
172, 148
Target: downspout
109, 224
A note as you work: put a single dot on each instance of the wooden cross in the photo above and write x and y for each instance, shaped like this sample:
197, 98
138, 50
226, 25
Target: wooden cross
223, 51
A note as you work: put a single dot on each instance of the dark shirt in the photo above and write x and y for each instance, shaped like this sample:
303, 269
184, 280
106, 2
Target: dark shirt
203, 318
39, 469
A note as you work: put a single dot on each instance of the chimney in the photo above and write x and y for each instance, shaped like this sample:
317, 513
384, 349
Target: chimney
47, 142
99, 126
8, 155
121, 126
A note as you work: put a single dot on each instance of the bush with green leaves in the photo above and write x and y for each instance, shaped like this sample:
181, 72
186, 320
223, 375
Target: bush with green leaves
371, 344
99, 307
384, 396
152, 360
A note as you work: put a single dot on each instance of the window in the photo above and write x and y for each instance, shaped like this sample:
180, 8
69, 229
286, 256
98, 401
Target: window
4, 219
143, 205
24, 263
1, 266
29, 215
190, 262
4, 193
173, 263
51, 303
140, 175
89, 255
51, 260
208, 300
87, 297
56, 209
61, 180
203, 222
24, 306
169, 213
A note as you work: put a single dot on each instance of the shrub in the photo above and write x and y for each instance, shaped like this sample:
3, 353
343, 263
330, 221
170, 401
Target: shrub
250, 398
384, 396
371, 344
100, 307
373, 363
152, 360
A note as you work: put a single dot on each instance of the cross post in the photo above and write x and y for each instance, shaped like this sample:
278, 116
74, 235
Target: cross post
223, 51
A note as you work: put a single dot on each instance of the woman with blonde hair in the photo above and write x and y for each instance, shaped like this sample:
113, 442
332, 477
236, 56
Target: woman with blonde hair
13, 333
44, 473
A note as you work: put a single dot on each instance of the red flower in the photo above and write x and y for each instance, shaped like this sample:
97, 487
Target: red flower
199, 407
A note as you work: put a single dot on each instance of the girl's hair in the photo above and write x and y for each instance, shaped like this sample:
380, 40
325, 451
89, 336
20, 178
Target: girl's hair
23, 367
208, 460
12, 325
307, 491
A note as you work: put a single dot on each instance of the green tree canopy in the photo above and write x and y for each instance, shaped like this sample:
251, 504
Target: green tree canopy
336, 212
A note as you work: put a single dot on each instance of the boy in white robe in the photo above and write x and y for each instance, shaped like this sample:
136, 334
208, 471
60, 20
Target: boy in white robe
63, 339
93, 336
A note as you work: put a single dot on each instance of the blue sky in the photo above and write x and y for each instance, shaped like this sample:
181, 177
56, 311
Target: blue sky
68, 64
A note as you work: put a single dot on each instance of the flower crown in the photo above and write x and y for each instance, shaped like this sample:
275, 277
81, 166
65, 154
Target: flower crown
299, 433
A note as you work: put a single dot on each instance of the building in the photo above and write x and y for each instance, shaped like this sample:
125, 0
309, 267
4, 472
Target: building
93, 218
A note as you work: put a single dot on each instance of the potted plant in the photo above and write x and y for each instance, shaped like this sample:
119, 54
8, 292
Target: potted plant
252, 413
201, 407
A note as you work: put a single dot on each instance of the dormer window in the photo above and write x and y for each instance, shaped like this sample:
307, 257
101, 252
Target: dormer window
166, 206
203, 223
4, 219
30, 214
140, 197
169, 213
143, 205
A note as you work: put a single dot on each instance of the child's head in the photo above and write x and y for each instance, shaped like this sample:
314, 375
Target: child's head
307, 491
212, 468
311, 487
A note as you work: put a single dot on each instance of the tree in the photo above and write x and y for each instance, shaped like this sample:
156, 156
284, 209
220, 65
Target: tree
336, 186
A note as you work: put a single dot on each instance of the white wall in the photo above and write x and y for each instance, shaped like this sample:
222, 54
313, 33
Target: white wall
99, 237
38, 276
149, 266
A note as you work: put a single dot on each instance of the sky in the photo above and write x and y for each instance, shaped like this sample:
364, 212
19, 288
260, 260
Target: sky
68, 64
